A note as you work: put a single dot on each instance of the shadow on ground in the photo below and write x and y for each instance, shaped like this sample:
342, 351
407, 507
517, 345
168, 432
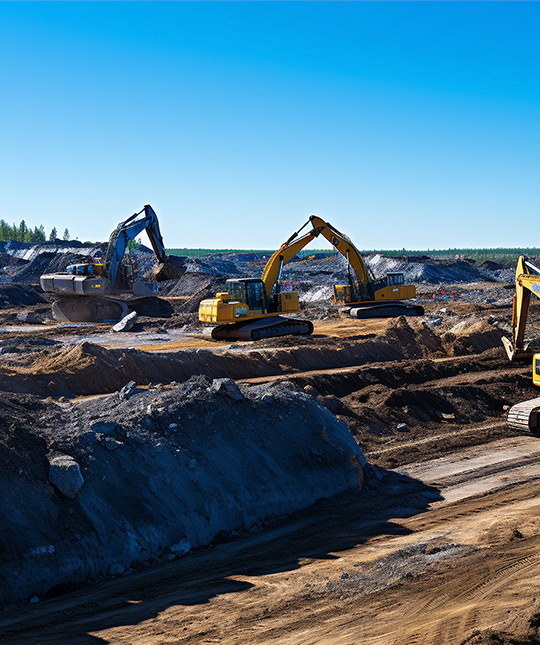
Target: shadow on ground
330, 526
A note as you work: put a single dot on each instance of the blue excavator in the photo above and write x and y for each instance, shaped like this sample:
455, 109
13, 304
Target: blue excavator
82, 287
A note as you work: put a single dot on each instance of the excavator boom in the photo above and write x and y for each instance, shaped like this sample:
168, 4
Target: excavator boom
127, 231
285, 253
348, 250
527, 282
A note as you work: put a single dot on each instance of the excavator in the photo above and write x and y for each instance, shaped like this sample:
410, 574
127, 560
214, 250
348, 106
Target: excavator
82, 286
525, 416
366, 296
249, 309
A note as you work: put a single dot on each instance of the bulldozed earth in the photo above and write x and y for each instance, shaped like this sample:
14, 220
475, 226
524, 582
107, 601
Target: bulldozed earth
355, 486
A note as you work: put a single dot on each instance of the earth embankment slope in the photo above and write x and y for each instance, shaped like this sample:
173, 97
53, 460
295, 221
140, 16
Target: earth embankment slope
105, 486
87, 369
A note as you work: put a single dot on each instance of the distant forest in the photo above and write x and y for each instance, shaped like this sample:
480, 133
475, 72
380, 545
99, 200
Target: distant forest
479, 255
24, 233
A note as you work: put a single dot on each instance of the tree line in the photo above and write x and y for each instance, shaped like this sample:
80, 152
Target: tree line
24, 233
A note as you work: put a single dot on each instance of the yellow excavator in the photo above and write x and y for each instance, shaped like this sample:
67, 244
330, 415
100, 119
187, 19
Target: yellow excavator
525, 416
366, 296
249, 309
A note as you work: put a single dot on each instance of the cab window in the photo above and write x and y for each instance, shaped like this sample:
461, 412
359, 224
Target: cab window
236, 291
255, 295
395, 278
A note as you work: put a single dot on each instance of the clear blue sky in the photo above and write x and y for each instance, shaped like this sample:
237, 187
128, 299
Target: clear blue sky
404, 124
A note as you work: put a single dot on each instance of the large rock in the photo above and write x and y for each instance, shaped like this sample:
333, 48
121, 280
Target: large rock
126, 323
65, 474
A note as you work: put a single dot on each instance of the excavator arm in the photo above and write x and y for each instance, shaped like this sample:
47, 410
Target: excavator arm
367, 296
527, 283
343, 244
127, 231
524, 416
363, 277
285, 253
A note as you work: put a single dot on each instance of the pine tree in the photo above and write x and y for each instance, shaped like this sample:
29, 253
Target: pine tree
66, 235
53, 234
23, 231
4, 230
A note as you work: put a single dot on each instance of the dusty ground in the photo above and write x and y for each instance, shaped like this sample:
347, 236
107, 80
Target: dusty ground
444, 547
433, 552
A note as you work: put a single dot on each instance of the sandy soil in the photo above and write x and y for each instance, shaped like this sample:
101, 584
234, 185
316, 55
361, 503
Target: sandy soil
446, 543
452, 546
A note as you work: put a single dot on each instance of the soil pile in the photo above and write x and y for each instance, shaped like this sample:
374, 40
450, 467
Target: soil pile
91, 369
103, 487
13, 295
51, 261
471, 336
413, 410
195, 287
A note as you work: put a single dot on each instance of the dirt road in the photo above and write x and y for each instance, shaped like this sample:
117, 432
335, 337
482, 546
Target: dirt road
431, 552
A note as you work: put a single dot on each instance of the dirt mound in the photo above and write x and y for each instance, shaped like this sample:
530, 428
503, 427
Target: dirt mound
471, 336
146, 476
10, 265
14, 295
491, 266
191, 283
201, 286
413, 409
69, 360
521, 628
91, 369
48, 262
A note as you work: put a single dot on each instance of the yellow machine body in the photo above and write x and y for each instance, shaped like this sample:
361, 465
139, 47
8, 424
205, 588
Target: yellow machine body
524, 416
536, 369
343, 293
221, 310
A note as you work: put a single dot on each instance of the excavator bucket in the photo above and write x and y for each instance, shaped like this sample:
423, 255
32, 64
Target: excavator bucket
515, 354
88, 309
166, 271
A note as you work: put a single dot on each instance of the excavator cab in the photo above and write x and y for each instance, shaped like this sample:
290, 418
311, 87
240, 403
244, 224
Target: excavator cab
242, 310
249, 291
343, 293
536, 369
80, 269
86, 269
394, 279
